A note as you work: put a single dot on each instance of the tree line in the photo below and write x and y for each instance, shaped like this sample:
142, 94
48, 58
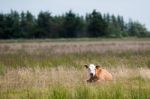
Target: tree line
69, 25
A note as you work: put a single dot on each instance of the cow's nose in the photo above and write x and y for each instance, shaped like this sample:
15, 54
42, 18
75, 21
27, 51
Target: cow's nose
91, 74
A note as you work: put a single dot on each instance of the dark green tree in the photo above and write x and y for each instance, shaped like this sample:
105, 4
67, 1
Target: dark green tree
57, 26
11, 25
115, 27
27, 25
2, 23
96, 25
137, 29
44, 24
72, 25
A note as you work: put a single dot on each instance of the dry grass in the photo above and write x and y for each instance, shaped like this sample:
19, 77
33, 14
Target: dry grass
41, 78
23, 78
76, 47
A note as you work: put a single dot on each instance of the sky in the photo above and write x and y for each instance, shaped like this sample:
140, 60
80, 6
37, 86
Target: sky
138, 10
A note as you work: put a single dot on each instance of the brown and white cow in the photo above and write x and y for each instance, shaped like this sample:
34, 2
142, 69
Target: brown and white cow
96, 73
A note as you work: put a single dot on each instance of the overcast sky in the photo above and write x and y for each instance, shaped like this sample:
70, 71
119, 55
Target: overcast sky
138, 10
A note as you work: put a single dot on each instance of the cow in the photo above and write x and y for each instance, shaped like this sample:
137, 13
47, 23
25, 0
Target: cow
96, 73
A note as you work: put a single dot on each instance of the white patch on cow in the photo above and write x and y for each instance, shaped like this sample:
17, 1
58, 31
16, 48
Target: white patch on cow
92, 69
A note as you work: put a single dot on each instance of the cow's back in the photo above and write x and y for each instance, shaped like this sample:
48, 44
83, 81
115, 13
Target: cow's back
105, 75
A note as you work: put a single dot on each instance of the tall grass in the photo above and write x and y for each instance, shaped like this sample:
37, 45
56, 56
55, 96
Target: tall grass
67, 83
109, 59
54, 70
83, 92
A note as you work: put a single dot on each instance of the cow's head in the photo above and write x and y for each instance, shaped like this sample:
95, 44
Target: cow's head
92, 69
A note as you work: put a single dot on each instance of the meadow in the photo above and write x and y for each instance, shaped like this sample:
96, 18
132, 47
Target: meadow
54, 69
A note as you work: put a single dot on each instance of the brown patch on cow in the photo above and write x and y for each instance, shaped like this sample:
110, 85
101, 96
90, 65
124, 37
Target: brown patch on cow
101, 75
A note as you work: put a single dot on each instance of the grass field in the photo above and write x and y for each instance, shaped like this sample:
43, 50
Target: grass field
53, 69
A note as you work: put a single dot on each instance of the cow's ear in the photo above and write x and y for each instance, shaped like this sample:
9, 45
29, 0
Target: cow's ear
97, 66
86, 66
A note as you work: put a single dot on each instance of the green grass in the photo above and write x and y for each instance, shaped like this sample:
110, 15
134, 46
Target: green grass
109, 59
113, 91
